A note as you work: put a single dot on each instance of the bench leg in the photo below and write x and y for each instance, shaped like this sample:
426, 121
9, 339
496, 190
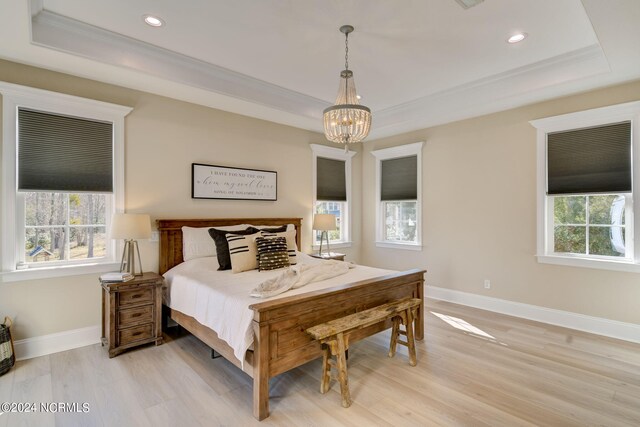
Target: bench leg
395, 331
411, 343
342, 371
325, 384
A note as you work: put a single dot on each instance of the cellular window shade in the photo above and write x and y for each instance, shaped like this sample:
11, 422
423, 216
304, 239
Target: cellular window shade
591, 160
399, 179
62, 153
331, 180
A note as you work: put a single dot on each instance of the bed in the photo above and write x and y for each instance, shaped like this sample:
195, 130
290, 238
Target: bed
280, 342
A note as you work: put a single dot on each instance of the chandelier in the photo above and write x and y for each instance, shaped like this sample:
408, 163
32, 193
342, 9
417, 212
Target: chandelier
347, 121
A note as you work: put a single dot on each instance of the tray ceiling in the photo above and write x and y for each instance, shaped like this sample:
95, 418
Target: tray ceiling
424, 63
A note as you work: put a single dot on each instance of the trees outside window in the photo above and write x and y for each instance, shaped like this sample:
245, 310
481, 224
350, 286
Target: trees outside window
589, 225
64, 226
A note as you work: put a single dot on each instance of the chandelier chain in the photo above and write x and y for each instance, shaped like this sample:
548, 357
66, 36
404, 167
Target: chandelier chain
346, 51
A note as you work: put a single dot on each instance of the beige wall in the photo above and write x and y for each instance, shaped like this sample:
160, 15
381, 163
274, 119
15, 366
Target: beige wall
478, 192
163, 138
479, 214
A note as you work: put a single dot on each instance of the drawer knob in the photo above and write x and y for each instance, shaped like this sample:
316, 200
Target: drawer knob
136, 333
136, 315
137, 296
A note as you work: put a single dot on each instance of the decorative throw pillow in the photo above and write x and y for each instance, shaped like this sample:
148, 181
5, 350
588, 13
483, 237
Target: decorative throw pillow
272, 253
243, 252
292, 248
222, 246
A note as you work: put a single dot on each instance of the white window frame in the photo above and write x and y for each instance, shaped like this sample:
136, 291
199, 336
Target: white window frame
334, 154
414, 149
544, 219
13, 97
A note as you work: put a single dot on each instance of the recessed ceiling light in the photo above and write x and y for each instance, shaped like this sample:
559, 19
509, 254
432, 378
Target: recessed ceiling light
516, 38
154, 21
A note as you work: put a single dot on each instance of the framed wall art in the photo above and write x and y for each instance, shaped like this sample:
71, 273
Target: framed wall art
222, 182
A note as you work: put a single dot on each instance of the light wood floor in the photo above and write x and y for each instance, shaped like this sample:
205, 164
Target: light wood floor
475, 368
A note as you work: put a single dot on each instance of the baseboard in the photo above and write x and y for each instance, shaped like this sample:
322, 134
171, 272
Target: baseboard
54, 343
567, 319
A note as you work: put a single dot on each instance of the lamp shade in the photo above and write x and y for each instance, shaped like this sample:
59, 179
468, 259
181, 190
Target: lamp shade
324, 222
130, 226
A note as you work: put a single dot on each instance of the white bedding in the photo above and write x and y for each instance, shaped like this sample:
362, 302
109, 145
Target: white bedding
220, 299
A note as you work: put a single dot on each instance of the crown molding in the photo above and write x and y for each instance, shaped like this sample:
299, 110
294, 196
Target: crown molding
520, 86
68, 35
575, 71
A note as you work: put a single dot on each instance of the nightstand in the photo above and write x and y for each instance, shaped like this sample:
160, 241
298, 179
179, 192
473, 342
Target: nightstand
131, 313
331, 255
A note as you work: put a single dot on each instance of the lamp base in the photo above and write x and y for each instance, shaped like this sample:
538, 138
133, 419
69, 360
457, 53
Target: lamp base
324, 235
128, 254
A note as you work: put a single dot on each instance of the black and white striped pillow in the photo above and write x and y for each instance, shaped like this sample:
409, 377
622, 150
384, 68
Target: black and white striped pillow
272, 253
243, 252
292, 248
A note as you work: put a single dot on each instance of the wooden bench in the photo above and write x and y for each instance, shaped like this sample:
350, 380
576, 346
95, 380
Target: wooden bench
334, 337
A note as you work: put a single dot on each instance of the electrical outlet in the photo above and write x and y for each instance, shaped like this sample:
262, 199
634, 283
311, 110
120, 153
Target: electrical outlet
487, 284
155, 236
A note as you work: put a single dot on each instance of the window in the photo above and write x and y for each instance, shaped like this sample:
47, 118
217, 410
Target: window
62, 181
586, 183
398, 182
332, 191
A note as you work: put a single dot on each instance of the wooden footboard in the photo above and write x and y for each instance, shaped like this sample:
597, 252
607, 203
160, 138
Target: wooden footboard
281, 342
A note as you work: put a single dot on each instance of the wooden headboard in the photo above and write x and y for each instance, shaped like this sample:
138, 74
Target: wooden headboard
171, 234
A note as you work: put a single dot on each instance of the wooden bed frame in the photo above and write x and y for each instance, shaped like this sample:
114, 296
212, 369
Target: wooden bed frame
281, 342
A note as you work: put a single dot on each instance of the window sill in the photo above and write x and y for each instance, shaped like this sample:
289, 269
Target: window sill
395, 245
335, 245
58, 271
621, 265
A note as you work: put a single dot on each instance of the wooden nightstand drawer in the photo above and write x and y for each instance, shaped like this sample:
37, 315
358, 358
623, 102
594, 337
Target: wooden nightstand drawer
137, 333
131, 313
132, 316
136, 296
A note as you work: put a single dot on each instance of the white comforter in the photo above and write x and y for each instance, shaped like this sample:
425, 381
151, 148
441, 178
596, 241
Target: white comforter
300, 275
220, 299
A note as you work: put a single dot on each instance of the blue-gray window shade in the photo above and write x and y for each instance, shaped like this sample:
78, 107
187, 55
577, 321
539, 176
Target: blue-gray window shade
399, 179
331, 183
62, 153
590, 160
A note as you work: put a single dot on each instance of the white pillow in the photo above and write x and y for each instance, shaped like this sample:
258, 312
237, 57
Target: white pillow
197, 243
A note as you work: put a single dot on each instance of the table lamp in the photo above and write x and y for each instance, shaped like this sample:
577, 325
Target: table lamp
130, 227
324, 223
